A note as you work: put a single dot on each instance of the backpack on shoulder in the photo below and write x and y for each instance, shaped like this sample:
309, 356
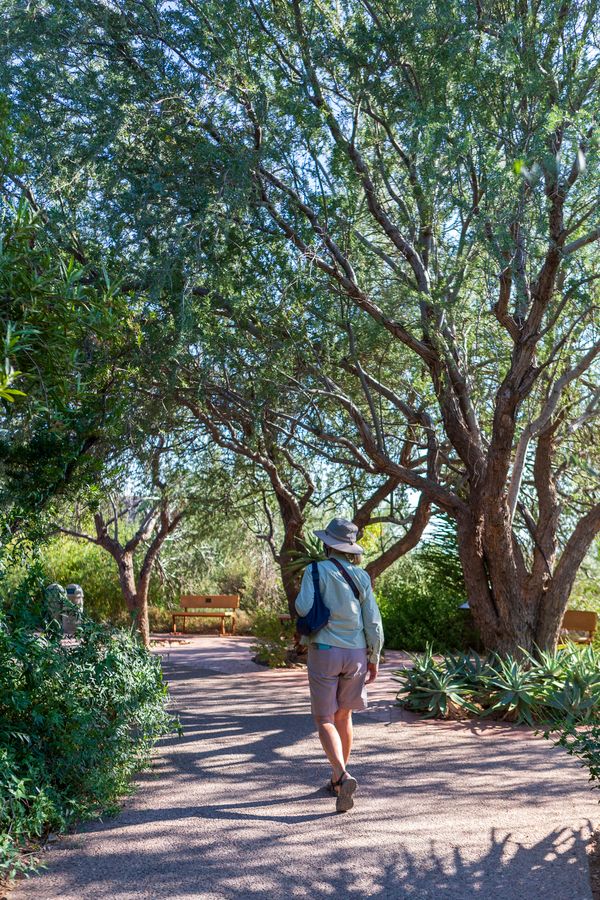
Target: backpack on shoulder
318, 615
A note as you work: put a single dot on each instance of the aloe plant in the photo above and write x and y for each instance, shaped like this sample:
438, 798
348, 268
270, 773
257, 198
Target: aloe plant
470, 667
435, 693
548, 665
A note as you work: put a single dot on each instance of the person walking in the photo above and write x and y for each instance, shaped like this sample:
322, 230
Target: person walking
343, 655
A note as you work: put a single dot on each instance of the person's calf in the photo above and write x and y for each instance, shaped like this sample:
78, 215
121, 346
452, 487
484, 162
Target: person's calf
331, 743
343, 723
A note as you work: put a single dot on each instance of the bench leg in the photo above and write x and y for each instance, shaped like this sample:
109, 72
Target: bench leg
233, 624
222, 626
173, 629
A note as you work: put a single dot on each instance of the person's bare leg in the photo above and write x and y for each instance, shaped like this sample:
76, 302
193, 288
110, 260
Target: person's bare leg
332, 744
343, 724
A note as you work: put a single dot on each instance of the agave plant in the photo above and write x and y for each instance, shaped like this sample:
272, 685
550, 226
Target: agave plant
469, 667
312, 551
584, 665
512, 691
427, 687
558, 687
548, 666
574, 701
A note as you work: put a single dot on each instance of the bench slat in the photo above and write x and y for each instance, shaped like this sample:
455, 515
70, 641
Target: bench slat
206, 601
211, 614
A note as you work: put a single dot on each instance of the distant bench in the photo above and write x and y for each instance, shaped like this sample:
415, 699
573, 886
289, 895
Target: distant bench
579, 625
216, 606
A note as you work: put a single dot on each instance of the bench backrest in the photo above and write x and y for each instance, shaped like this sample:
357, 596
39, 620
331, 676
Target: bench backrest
206, 601
580, 620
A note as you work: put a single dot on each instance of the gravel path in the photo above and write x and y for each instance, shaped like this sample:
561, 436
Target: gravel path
234, 809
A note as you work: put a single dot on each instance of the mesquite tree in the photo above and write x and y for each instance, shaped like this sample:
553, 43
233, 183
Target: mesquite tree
135, 550
434, 168
442, 174
248, 426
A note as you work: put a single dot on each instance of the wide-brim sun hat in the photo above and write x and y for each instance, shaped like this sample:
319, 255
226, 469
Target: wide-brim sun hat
340, 535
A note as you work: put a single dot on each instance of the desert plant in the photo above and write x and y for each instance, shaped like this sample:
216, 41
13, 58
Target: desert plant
470, 667
510, 691
562, 686
435, 690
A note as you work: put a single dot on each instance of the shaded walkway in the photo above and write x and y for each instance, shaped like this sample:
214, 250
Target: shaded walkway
234, 810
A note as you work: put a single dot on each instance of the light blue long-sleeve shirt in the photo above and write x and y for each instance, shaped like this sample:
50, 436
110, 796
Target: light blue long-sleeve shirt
353, 623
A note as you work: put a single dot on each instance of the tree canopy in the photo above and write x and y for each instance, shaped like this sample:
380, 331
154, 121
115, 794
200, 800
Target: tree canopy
385, 213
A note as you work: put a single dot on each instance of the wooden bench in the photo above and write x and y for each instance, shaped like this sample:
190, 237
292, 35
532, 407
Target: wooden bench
580, 621
216, 606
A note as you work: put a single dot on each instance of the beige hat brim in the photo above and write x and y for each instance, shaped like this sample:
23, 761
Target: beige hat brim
338, 545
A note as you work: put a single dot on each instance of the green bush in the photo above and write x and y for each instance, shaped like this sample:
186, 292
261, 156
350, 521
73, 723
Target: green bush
273, 638
420, 597
66, 560
76, 722
562, 687
415, 616
417, 612
581, 742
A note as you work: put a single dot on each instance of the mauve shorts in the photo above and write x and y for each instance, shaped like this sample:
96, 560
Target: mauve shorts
337, 679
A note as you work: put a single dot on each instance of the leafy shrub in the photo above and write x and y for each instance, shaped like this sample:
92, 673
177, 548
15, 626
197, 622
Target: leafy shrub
583, 743
415, 616
421, 595
76, 722
273, 638
563, 686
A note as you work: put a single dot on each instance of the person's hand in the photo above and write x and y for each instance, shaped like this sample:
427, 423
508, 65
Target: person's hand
373, 670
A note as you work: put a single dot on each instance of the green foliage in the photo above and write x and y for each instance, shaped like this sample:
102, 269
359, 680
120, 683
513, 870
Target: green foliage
581, 742
76, 722
563, 686
436, 691
8, 375
420, 597
66, 331
66, 560
273, 638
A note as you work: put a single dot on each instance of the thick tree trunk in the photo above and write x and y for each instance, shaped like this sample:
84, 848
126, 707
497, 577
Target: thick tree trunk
291, 548
515, 609
135, 596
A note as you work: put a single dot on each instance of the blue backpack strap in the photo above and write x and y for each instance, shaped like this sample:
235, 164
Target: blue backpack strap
350, 581
315, 577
